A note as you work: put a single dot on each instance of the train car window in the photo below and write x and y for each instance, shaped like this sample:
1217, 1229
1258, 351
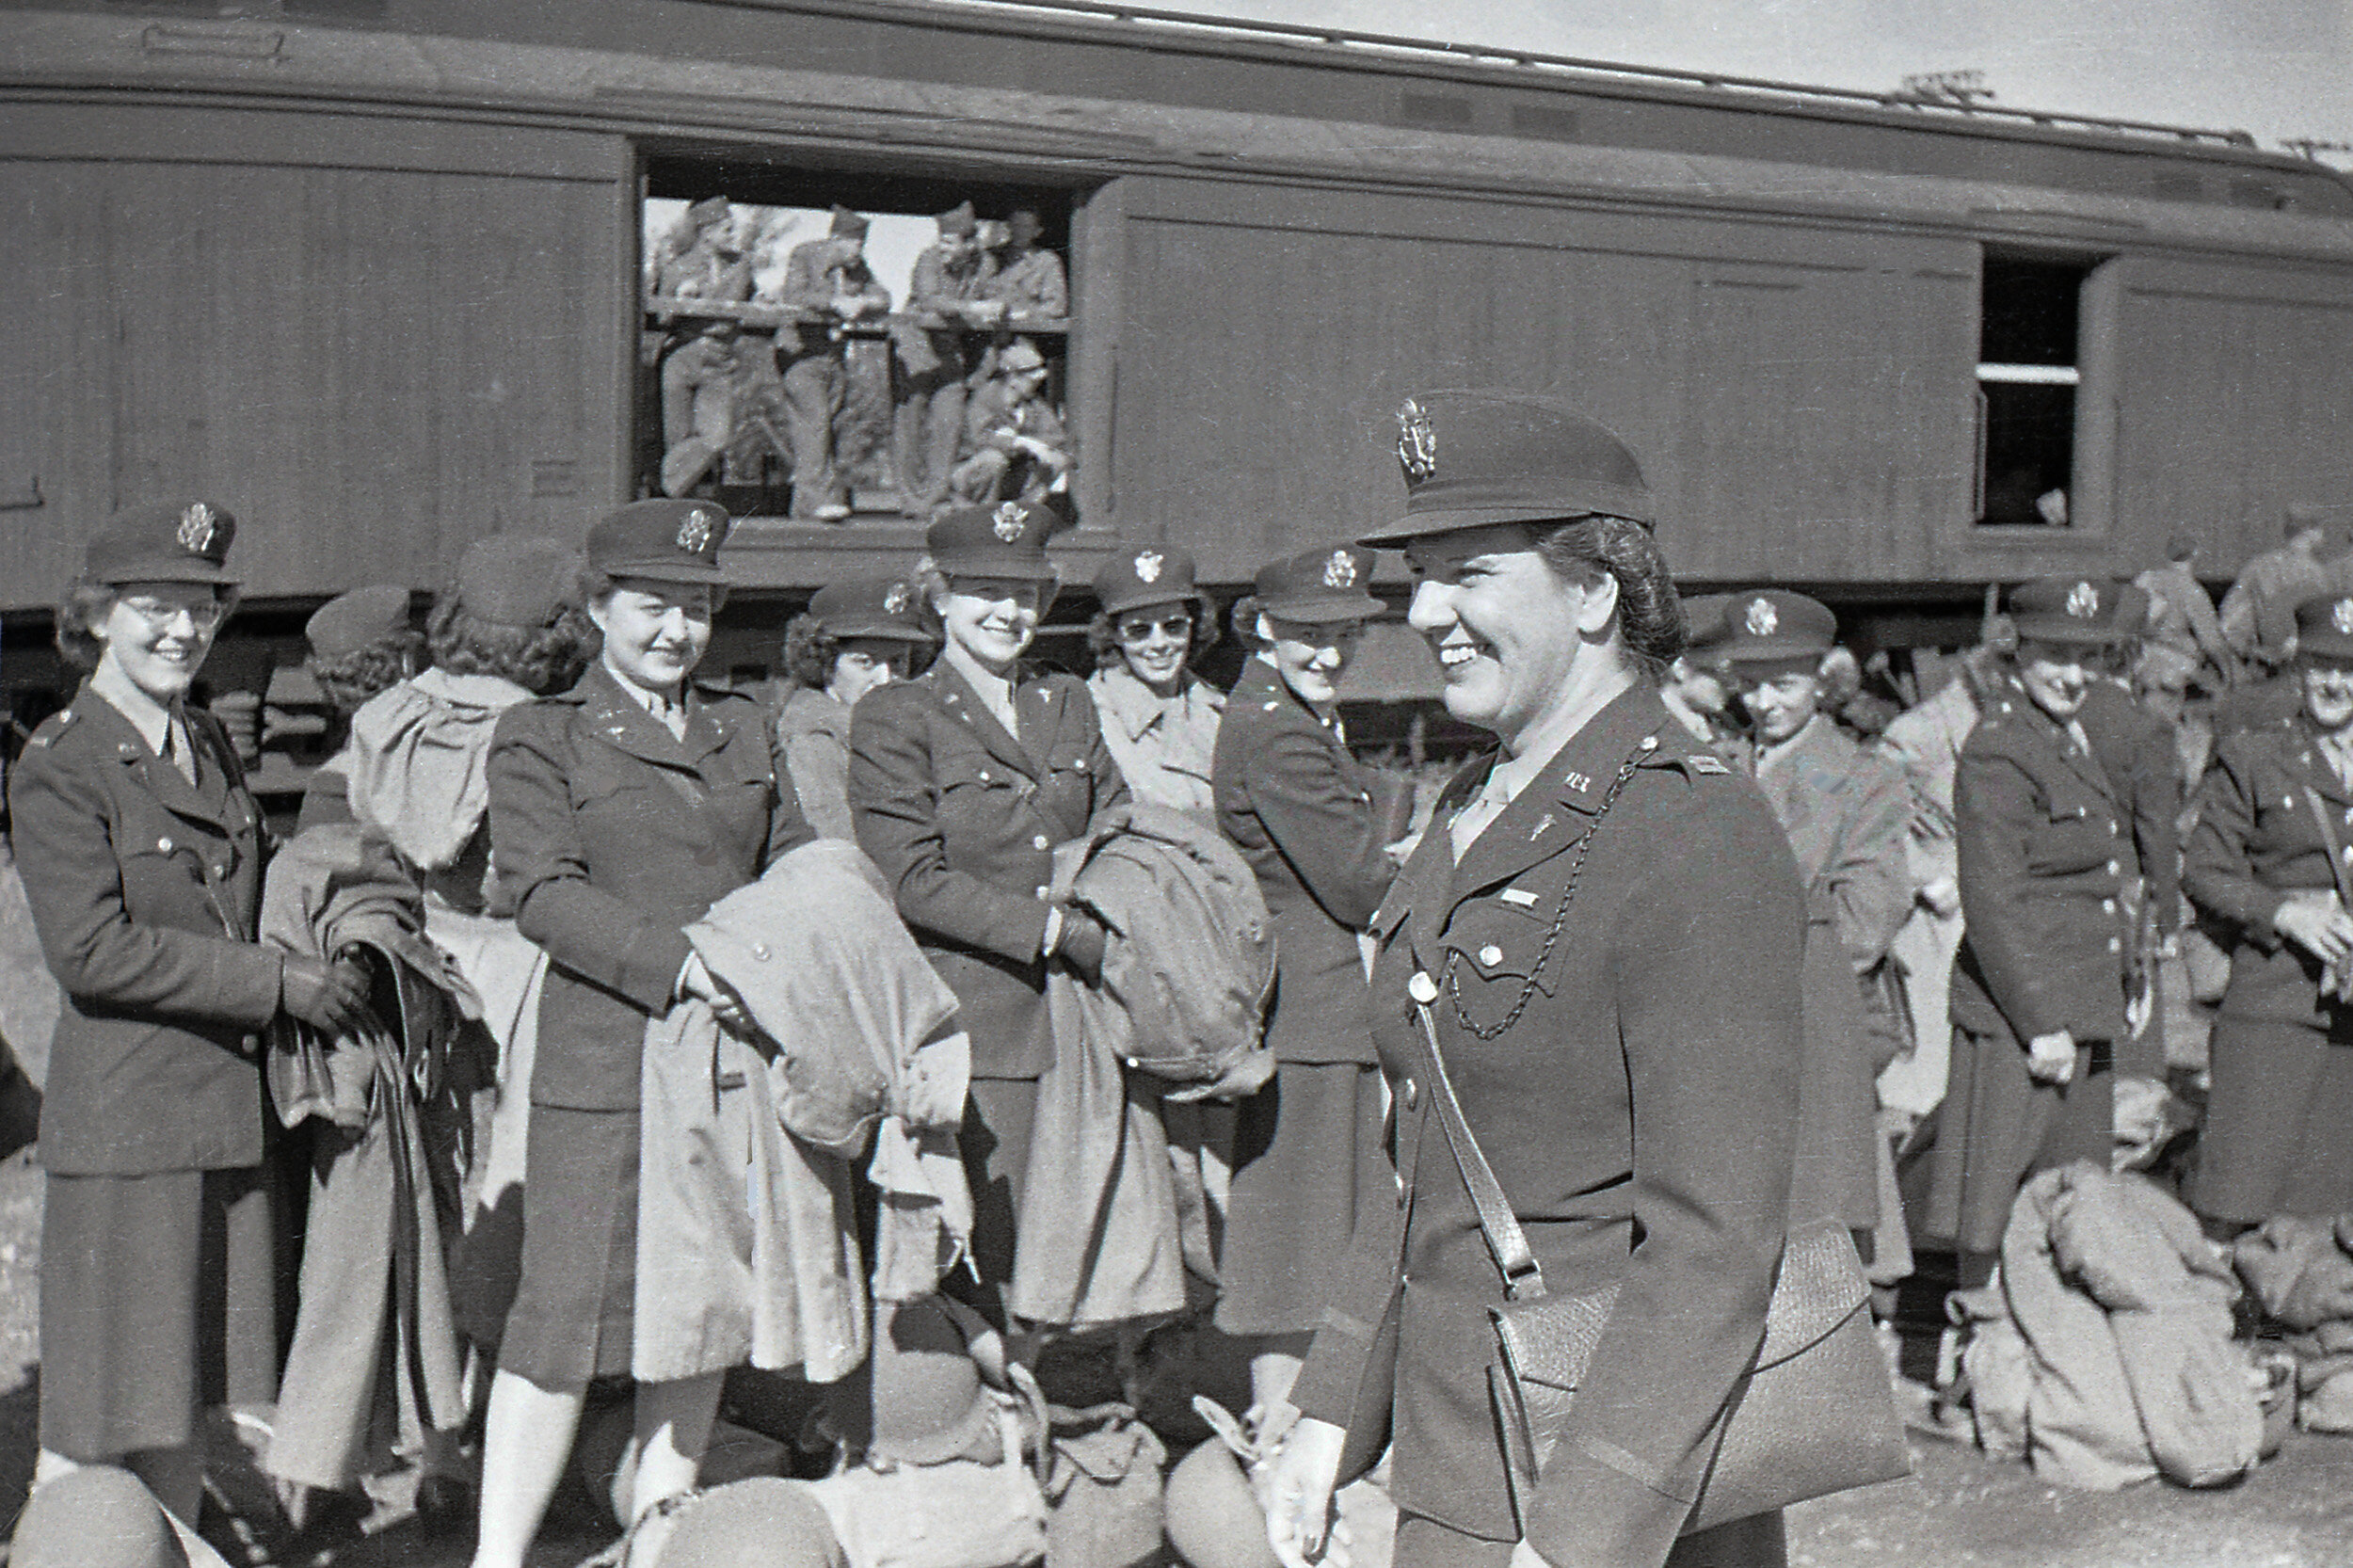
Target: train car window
2028, 381
823, 349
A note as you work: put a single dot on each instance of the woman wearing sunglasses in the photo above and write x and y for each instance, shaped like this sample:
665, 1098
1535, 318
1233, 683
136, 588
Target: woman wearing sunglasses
1160, 719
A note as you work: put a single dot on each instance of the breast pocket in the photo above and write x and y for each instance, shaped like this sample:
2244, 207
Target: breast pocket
1502, 946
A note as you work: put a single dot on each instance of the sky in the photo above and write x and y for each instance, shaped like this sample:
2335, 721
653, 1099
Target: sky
2276, 68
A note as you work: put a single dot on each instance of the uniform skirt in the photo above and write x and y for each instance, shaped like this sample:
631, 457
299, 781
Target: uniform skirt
2275, 1140
157, 1299
1998, 1127
575, 1304
1307, 1149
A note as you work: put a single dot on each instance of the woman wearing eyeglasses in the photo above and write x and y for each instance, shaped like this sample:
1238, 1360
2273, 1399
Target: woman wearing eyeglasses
141, 854
1316, 827
1160, 719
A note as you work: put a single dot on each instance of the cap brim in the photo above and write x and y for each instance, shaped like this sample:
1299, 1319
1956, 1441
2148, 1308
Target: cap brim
1761, 659
173, 570
1024, 567
2328, 645
2066, 629
666, 573
893, 631
1423, 525
1324, 609
1119, 607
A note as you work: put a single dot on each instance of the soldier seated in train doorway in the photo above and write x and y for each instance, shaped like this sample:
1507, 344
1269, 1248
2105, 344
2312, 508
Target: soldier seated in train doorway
1015, 444
828, 282
699, 369
1029, 278
945, 299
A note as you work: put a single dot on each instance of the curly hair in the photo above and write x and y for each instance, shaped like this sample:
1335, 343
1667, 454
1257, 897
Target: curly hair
1243, 618
1103, 633
596, 586
1650, 614
351, 680
539, 659
810, 651
86, 607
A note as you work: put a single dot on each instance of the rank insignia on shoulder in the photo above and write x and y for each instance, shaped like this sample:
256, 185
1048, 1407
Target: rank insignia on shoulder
1703, 762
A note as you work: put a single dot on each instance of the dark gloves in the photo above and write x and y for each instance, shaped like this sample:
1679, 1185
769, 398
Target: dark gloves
328, 997
1081, 944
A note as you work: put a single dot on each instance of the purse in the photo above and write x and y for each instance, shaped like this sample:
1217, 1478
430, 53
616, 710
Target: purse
1814, 1414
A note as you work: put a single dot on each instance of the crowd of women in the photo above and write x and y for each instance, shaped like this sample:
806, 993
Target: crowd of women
1656, 992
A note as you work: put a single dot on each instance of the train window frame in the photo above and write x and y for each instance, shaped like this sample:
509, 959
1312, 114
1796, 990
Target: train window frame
2027, 373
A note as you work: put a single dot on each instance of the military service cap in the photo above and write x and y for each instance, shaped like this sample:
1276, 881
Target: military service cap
1319, 585
1777, 628
2323, 625
361, 618
516, 579
847, 225
1005, 540
1476, 458
170, 542
2074, 610
1705, 627
958, 220
1144, 575
869, 607
664, 541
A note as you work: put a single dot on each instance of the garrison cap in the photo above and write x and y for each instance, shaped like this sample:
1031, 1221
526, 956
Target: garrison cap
847, 225
361, 618
958, 220
662, 541
1319, 585
2323, 625
869, 607
1474, 458
1005, 540
516, 579
2075, 610
1144, 575
168, 542
1774, 626
710, 209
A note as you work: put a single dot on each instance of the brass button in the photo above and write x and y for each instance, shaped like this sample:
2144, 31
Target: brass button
759, 950
2114, 867
1041, 892
1410, 1093
163, 846
1491, 955
2115, 944
1038, 842
2107, 906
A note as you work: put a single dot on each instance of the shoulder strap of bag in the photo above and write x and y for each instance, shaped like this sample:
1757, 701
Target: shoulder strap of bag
1523, 1280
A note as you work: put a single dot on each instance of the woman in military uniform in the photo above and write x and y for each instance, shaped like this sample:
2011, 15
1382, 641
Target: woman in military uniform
1606, 924
620, 810
2048, 881
1159, 718
2273, 819
962, 781
1316, 827
141, 853
854, 637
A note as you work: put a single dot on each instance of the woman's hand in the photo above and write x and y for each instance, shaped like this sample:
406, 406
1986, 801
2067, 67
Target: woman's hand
698, 982
2051, 1058
1081, 944
1299, 1512
2317, 926
331, 998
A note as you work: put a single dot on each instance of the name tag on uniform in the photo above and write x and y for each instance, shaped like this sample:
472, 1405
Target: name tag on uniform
1520, 896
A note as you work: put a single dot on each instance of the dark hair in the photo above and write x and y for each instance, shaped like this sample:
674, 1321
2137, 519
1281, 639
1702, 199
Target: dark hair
1243, 619
1103, 630
539, 659
1650, 614
86, 605
810, 651
351, 680
596, 586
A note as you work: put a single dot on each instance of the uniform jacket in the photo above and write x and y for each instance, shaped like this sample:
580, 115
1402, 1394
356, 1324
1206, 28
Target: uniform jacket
811, 285
813, 737
2259, 613
1647, 1088
2136, 749
2256, 844
1032, 284
935, 342
2046, 862
1312, 823
962, 819
996, 415
610, 837
1164, 747
144, 890
2182, 616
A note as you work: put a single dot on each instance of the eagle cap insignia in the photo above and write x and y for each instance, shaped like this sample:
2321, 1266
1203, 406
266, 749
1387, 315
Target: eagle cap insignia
2082, 602
2341, 615
1148, 566
895, 600
197, 526
1010, 521
1340, 570
1762, 621
1417, 441
696, 533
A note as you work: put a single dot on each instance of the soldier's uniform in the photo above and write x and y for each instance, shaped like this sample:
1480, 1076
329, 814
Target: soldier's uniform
610, 835
144, 885
700, 370
962, 817
1313, 823
815, 380
2047, 868
1031, 282
999, 418
813, 730
2276, 805
933, 361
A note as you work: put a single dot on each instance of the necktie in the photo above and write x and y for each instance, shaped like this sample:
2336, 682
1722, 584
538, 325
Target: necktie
177, 751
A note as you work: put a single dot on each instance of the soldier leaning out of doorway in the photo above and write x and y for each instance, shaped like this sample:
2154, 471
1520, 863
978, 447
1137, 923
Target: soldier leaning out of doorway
827, 280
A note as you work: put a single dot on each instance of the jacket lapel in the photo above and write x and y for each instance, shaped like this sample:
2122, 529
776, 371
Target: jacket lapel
2312, 766
205, 801
623, 723
958, 695
1556, 807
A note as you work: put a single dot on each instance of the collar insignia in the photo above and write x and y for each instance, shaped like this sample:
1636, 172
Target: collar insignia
2082, 602
1762, 621
1340, 570
895, 601
197, 526
1148, 566
1010, 521
696, 533
1417, 443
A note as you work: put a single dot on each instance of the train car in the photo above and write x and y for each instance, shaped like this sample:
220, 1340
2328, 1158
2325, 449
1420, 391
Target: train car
375, 274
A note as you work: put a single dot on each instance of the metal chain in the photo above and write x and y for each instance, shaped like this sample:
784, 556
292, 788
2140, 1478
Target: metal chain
1559, 917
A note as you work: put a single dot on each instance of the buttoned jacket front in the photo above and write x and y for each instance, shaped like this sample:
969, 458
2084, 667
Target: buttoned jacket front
610, 837
144, 889
1621, 1029
962, 820
2046, 869
1312, 823
2256, 845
